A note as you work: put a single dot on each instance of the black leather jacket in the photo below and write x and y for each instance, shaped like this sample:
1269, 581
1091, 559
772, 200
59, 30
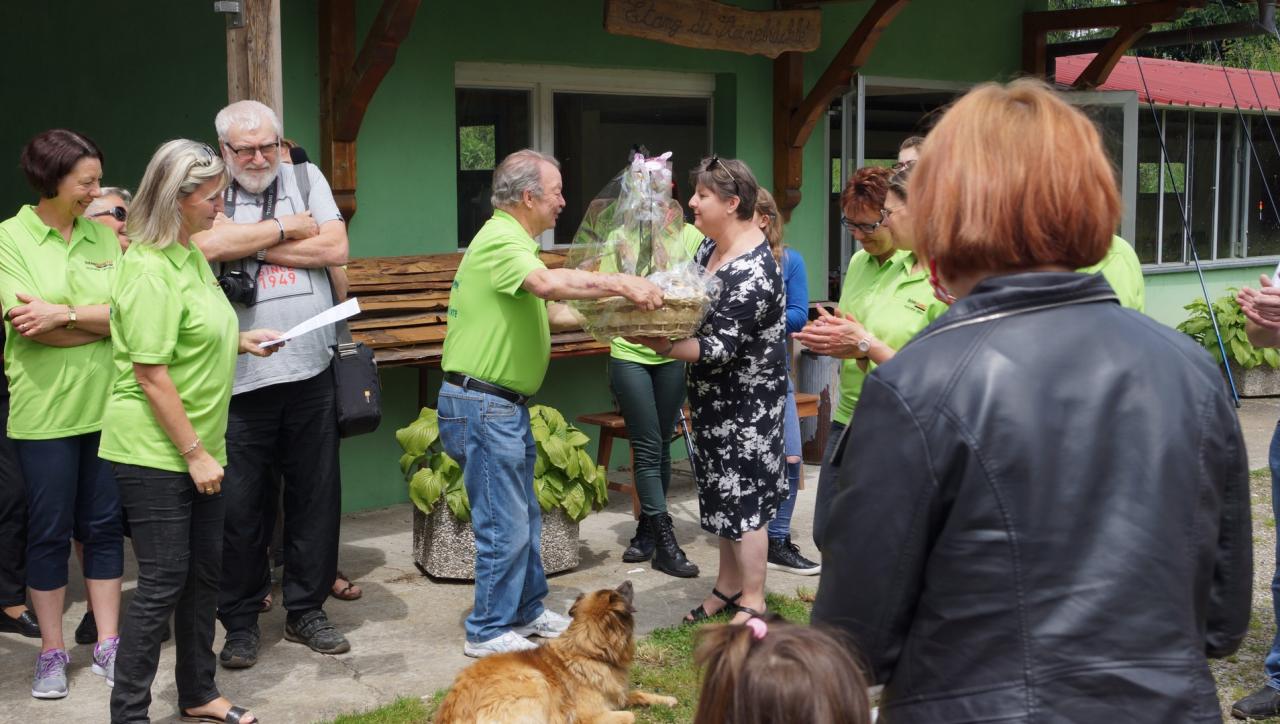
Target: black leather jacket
1042, 515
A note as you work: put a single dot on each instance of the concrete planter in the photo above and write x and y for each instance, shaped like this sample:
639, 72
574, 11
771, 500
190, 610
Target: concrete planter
1261, 381
445, 547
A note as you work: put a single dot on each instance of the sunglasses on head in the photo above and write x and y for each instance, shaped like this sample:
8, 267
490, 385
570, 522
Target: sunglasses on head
714, 160
118, 213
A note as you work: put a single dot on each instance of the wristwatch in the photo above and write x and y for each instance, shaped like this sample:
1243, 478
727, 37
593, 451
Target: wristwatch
864, 345
261, 255
71, 317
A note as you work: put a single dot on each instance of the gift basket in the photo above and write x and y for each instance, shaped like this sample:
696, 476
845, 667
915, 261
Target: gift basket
634, 226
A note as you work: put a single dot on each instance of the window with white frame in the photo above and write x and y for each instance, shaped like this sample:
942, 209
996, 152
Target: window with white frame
591, 120
1205, 188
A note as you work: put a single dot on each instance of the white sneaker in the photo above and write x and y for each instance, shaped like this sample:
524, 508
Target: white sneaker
506, 643
548, 625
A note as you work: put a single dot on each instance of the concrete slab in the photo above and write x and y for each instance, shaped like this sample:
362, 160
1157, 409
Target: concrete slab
406, 632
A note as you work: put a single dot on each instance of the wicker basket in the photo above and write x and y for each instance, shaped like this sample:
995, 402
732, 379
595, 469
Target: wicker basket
611, 317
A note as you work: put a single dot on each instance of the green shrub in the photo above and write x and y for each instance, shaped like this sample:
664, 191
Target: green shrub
565, 476
1231, 321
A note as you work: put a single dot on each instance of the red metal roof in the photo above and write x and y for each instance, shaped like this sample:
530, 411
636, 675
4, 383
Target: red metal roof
1176, 83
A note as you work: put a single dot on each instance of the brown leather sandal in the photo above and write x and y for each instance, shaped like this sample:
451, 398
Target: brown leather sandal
349, 592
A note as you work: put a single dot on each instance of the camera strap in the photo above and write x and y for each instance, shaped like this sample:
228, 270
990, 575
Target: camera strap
269, 195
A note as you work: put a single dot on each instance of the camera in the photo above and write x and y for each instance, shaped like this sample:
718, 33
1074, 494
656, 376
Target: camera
239, 286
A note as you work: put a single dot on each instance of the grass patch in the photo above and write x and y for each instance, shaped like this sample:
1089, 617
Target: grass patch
663, 665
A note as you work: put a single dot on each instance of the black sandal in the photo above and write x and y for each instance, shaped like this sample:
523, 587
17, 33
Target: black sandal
234, 715
750, 611
700, 613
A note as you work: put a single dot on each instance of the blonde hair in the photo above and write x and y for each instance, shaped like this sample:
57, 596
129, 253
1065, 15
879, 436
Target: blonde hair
176, 170
767, 207
1045, 192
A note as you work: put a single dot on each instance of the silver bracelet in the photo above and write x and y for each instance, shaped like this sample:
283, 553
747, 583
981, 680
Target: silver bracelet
281, 225
194, 446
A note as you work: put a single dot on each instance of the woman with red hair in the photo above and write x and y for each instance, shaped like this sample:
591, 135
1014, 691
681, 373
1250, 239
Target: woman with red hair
1043, 498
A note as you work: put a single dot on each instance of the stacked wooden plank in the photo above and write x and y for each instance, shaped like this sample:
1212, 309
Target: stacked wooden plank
404, 303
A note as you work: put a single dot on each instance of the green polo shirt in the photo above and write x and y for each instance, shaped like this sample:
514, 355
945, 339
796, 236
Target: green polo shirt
497, 331
55, 391
167, 309
620, 348
1123, 272
899, 305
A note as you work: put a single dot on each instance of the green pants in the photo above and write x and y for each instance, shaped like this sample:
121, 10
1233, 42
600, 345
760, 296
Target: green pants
649, 398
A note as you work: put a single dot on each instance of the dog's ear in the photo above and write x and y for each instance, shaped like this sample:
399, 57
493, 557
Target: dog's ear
573, 610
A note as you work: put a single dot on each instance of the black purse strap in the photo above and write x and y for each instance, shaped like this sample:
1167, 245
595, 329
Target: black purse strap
344, 332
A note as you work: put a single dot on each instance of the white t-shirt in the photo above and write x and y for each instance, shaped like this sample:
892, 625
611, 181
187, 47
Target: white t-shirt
286, 295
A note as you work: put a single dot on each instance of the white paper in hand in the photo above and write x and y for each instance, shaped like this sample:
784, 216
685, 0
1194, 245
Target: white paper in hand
332, 315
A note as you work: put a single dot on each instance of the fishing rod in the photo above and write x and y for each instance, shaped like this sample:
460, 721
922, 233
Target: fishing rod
1186, 225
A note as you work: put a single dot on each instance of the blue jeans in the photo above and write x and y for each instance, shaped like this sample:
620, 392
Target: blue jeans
780, 526
490, 438
1272, 665
70, 493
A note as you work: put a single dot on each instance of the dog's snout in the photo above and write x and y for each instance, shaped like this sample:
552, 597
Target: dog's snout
626, 590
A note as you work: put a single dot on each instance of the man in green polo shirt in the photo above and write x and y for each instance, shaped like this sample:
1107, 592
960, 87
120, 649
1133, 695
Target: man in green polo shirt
1123, 272
496, 350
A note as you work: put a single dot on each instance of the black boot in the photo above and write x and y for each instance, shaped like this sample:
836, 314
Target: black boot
667, 556
641, 547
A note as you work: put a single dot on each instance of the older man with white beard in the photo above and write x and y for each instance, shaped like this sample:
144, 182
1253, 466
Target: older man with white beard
277, 245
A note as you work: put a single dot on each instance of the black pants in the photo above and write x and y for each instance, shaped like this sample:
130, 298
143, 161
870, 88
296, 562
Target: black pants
177, 537
13, 520
292, 426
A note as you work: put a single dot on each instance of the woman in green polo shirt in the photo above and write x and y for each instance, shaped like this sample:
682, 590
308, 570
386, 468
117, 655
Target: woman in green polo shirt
175, 340
55, 278
897, 306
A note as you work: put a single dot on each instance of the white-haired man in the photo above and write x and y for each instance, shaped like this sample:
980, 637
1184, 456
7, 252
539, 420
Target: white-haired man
273, 249
496, 352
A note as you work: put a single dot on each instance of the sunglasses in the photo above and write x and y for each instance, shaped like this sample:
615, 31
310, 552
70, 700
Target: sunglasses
118, 213
717, 160
251, 152
853, 226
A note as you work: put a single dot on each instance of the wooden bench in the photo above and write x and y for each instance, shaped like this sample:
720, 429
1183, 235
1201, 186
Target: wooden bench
612, 427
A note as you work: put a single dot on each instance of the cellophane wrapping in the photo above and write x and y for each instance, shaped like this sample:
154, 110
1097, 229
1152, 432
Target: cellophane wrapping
634, 226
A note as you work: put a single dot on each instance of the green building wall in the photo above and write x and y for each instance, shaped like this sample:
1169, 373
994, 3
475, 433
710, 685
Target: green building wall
135, 73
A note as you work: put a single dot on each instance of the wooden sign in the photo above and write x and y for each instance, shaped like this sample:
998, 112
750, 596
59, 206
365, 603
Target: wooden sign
715, 26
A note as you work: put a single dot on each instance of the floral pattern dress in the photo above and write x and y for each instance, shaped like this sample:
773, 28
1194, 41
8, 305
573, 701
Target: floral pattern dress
736, 393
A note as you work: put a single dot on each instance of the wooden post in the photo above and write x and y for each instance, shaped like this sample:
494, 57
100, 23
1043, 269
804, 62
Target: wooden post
253, 56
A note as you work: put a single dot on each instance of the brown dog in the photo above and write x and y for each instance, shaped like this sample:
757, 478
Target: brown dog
581, 676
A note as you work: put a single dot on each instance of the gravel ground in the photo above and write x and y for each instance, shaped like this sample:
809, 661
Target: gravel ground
1241, 674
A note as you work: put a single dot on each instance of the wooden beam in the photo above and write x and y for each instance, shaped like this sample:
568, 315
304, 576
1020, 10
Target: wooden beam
797, 114
1105, 61
253, 56
1037, 25
349, 80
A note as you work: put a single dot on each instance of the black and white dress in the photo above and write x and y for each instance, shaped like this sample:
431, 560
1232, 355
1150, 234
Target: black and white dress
736, 393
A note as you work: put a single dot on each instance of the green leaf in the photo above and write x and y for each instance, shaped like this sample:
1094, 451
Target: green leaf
458, 504
546, 497
554, 420
575, 503
573, 464
539, 428
540, 464
407, 462
576, 437
587, 467
1271, 357
420, 434
1242, 354
425, 489
447, 467
557, 482
557, 451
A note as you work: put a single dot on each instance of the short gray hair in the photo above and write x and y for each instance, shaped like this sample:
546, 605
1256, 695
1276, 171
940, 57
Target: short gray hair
519, 172
99, 204
246, 116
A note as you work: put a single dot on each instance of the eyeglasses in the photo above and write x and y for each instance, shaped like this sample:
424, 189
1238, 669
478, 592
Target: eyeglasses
250, 153
903, 164
717, 160
853, 226
118, 213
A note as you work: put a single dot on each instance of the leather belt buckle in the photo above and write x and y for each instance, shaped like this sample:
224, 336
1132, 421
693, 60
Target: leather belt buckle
467, 382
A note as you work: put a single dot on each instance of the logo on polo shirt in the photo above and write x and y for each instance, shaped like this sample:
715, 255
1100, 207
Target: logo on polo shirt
99, 265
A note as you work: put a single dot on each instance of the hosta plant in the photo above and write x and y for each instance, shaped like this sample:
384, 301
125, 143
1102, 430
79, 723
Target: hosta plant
565, 476
1231, 324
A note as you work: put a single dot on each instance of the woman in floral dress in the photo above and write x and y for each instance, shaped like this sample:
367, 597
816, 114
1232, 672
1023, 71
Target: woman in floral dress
737, 385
